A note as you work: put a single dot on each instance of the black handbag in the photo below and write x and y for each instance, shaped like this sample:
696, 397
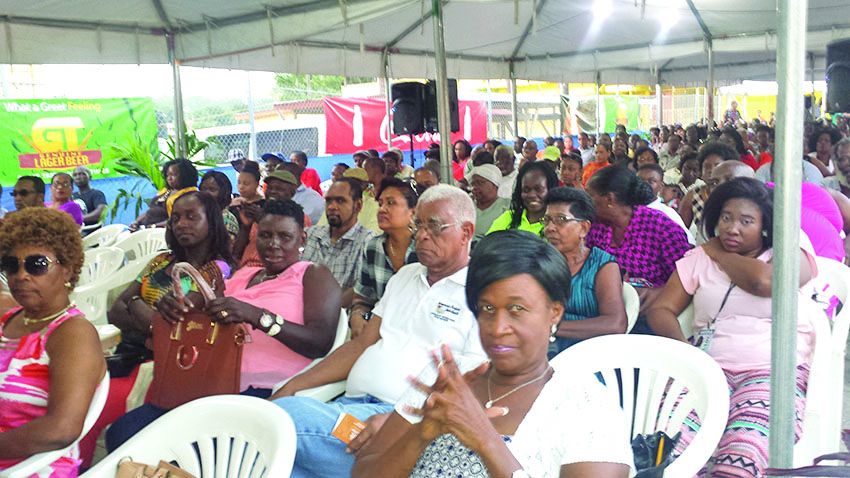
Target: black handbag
652, 453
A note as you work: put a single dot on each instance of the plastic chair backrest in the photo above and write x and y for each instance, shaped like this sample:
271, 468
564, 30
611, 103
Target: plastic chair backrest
100, 262
225, 435
329, 391
143, 243
822, 420
36, 463
661, 363
105, 236
632, 303
837, 275
686, 320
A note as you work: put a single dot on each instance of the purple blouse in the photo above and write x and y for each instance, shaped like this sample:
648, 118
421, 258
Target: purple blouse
74, 210
651, 246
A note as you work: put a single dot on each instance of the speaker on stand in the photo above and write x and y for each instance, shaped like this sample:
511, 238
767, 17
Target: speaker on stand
408, 108
431, 121
838, 77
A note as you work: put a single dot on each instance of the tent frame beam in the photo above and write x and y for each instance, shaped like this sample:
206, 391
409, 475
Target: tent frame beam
407, 31
528, 28
699, 19
163, 17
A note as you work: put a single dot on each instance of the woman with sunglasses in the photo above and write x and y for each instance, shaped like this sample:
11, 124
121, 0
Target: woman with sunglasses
596, 294
384, 255
516, 417
50, 356
61, 190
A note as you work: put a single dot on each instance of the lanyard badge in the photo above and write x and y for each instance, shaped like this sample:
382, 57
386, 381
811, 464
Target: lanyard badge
704, 336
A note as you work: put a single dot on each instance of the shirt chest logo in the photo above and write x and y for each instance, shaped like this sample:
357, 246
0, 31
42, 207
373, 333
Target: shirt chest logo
446, 312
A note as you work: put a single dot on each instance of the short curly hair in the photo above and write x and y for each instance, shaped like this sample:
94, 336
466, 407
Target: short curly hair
45, 227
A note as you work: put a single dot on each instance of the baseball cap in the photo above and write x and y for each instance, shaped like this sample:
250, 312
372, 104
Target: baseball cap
489, 172
281, 175
236, 158
356, 173
274, 155
551, 153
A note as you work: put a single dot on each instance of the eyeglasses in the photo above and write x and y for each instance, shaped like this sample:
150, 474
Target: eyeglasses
559, 220
22, 193
434, 228
35, 265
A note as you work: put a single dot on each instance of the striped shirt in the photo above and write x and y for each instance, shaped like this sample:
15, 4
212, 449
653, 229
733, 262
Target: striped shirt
376, 268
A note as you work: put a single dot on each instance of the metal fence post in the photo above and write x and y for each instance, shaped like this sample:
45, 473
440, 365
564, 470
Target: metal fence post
252, 142
790, 67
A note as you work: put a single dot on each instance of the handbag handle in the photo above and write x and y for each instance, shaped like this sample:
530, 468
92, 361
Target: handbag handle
184, 268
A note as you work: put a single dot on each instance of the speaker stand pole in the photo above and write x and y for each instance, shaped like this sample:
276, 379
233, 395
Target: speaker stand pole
412, 162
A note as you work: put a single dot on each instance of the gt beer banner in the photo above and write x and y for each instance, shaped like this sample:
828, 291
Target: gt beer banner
361, 123
43, 137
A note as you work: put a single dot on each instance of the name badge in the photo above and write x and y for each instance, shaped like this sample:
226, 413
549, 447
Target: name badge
446, 312
703, 338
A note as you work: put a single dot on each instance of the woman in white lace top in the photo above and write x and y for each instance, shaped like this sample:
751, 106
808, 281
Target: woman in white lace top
516, 418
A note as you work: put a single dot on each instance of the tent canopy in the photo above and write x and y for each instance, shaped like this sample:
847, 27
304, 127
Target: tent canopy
628, 41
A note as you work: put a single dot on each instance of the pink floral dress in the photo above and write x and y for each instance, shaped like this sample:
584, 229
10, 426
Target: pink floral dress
25, 386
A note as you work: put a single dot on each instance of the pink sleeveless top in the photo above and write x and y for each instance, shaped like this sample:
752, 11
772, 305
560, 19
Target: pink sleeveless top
25, 387
265, 360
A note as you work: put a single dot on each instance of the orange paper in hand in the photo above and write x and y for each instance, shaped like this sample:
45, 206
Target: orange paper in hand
347, 428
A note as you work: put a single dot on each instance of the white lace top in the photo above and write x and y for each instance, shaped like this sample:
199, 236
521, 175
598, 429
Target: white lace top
572, 420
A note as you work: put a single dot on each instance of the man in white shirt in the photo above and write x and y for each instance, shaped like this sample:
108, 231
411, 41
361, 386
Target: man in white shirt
424, 305
654, 176
586, 149
309, 199
669, 159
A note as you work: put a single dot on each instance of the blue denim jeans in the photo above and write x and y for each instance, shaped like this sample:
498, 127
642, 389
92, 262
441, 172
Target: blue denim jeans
320, 454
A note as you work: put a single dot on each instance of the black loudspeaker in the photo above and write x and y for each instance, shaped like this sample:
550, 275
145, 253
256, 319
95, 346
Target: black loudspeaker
408, 108
838, 77
431, 122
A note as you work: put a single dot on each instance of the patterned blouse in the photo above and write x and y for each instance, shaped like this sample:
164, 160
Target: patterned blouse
25, 387
651, 246
156, 281
697, 206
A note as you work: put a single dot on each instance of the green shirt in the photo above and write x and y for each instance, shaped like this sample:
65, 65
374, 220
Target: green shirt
503, 222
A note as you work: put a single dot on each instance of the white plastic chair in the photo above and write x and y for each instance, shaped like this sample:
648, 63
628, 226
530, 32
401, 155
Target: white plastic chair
328, 391
100, 262
223, 435
36, 463
105, 236
837, 275
632, 303
660, 361
143, 243
127, 274
92, 297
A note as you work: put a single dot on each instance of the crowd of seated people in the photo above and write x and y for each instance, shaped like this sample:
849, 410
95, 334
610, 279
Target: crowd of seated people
526, 255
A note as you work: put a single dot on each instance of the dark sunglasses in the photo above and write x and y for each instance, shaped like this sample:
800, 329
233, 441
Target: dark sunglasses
35, 265
22, 193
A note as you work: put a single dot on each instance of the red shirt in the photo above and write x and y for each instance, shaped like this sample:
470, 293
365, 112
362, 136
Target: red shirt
750, 161
311, 179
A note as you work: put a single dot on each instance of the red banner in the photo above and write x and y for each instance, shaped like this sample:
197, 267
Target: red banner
361, 123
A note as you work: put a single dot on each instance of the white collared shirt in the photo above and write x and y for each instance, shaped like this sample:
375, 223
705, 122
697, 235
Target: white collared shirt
506, 188
415, 319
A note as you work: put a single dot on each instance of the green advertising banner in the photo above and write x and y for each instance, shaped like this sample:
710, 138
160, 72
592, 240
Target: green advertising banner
622, 110
43, 137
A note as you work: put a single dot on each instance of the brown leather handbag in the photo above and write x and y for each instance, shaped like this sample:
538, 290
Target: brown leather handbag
197, 357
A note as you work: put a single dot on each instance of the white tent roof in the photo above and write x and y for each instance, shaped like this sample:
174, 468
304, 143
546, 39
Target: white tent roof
562, 41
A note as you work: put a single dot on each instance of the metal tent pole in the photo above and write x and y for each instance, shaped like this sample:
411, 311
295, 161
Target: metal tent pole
598, 105
388, 96
252, 141
709, 93
178, 97
659, 102
489, 111
514, 107
446, 170
790, 66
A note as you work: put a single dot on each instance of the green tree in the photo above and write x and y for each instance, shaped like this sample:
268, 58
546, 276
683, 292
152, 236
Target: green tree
298, 87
